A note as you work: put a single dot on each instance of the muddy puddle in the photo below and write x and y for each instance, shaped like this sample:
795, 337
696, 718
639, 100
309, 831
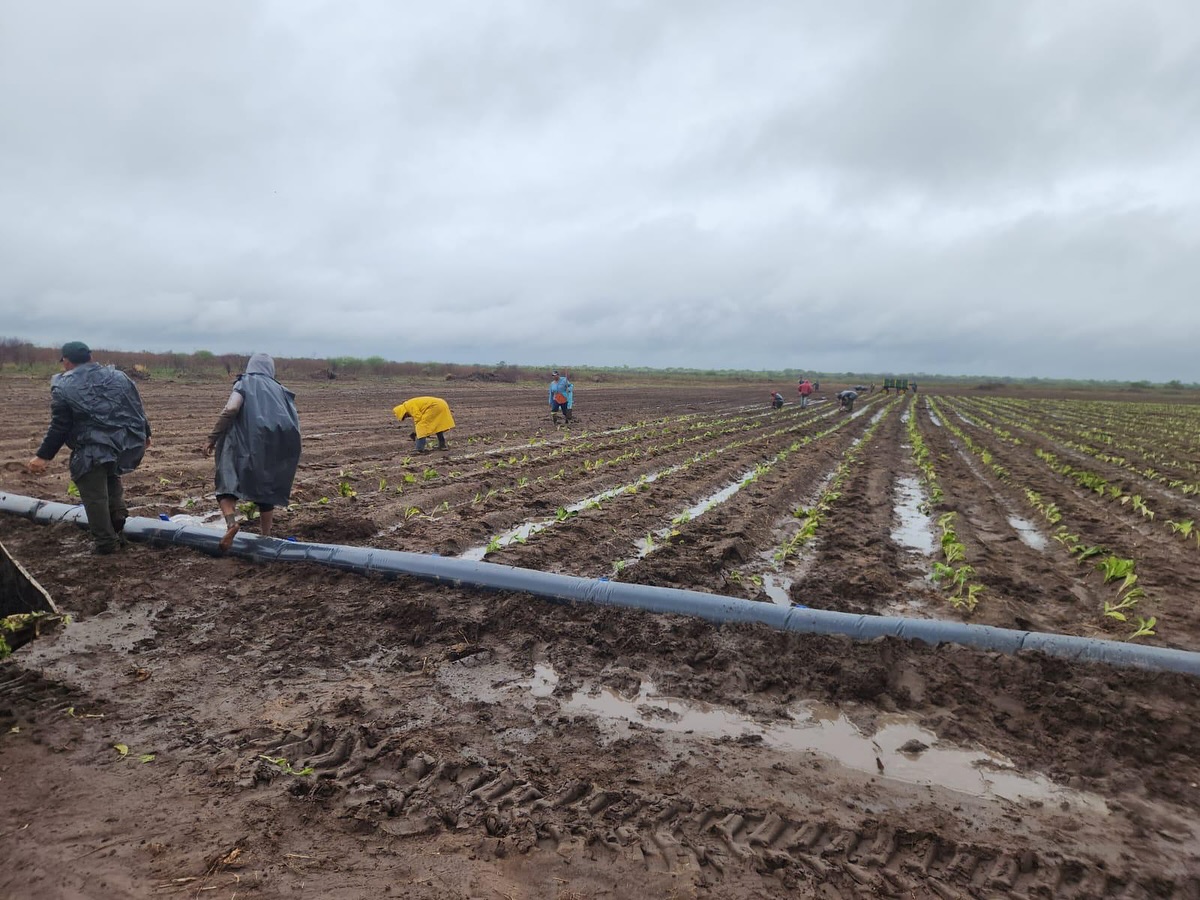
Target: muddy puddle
778, 588
913, 528
933, 417
898, 750
778, 577
119, 630
913, 606
1028, 532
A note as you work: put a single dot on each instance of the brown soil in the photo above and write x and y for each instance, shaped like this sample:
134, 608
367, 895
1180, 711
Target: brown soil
472, 744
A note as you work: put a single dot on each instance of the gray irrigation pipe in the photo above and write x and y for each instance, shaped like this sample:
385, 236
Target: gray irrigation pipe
569, 588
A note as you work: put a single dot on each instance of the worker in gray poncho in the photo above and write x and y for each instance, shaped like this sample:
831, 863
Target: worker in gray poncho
97, 412
257, 442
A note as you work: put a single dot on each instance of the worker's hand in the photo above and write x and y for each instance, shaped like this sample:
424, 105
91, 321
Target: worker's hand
147, 442
412, 435
208, 448
36, 466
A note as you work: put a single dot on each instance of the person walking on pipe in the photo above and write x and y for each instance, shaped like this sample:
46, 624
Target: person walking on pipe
97, 412
257, 445
562, 397
430, 415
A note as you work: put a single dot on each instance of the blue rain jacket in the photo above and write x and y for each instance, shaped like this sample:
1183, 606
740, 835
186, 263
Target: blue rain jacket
560, 385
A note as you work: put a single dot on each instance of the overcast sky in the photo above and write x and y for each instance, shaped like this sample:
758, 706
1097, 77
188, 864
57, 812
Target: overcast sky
1006, 188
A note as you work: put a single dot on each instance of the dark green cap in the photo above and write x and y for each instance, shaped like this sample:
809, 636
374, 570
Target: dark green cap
76, 352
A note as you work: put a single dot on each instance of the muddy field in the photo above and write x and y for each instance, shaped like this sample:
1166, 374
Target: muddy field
215, 727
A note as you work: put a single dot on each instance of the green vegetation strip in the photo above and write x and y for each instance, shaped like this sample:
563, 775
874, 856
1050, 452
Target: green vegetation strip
1115, 569
955, 573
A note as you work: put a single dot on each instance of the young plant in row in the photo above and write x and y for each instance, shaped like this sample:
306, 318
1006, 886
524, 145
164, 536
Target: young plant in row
965, 593
644, 481
1049, 511
923, 458
1114, 569
983, 453
812, 516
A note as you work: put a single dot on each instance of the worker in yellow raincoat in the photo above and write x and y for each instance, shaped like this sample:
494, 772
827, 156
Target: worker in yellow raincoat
430, 415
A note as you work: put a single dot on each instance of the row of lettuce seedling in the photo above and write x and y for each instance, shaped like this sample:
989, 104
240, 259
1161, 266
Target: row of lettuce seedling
677, 523
1111, 491
812, 516
1157, 433
644, 482
1086, 434
428, 474
953, 573
1115, 569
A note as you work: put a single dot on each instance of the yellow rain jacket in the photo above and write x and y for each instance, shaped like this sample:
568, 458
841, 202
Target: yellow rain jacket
429, 414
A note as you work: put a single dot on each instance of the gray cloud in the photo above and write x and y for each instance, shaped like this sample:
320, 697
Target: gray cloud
934, 186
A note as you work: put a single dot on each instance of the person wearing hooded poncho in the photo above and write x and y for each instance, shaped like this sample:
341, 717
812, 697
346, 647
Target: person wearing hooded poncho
97, 412
257, 444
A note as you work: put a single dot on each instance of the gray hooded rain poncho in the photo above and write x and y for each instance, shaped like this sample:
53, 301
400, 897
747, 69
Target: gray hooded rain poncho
97, 412
258, 437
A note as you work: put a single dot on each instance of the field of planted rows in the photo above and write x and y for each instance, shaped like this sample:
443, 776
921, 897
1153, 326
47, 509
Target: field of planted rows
321, 731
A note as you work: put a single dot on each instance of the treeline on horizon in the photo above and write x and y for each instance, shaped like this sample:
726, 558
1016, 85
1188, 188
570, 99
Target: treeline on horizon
21, 355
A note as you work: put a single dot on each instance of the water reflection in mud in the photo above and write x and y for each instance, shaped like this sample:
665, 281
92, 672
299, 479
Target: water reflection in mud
933, 417
777, 587
1028, 532
117, 629
914, 527
647, 545
544, 681
524, 531
899, 749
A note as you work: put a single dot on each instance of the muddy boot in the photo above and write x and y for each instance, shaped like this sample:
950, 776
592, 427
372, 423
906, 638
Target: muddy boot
554, 418
567, 415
